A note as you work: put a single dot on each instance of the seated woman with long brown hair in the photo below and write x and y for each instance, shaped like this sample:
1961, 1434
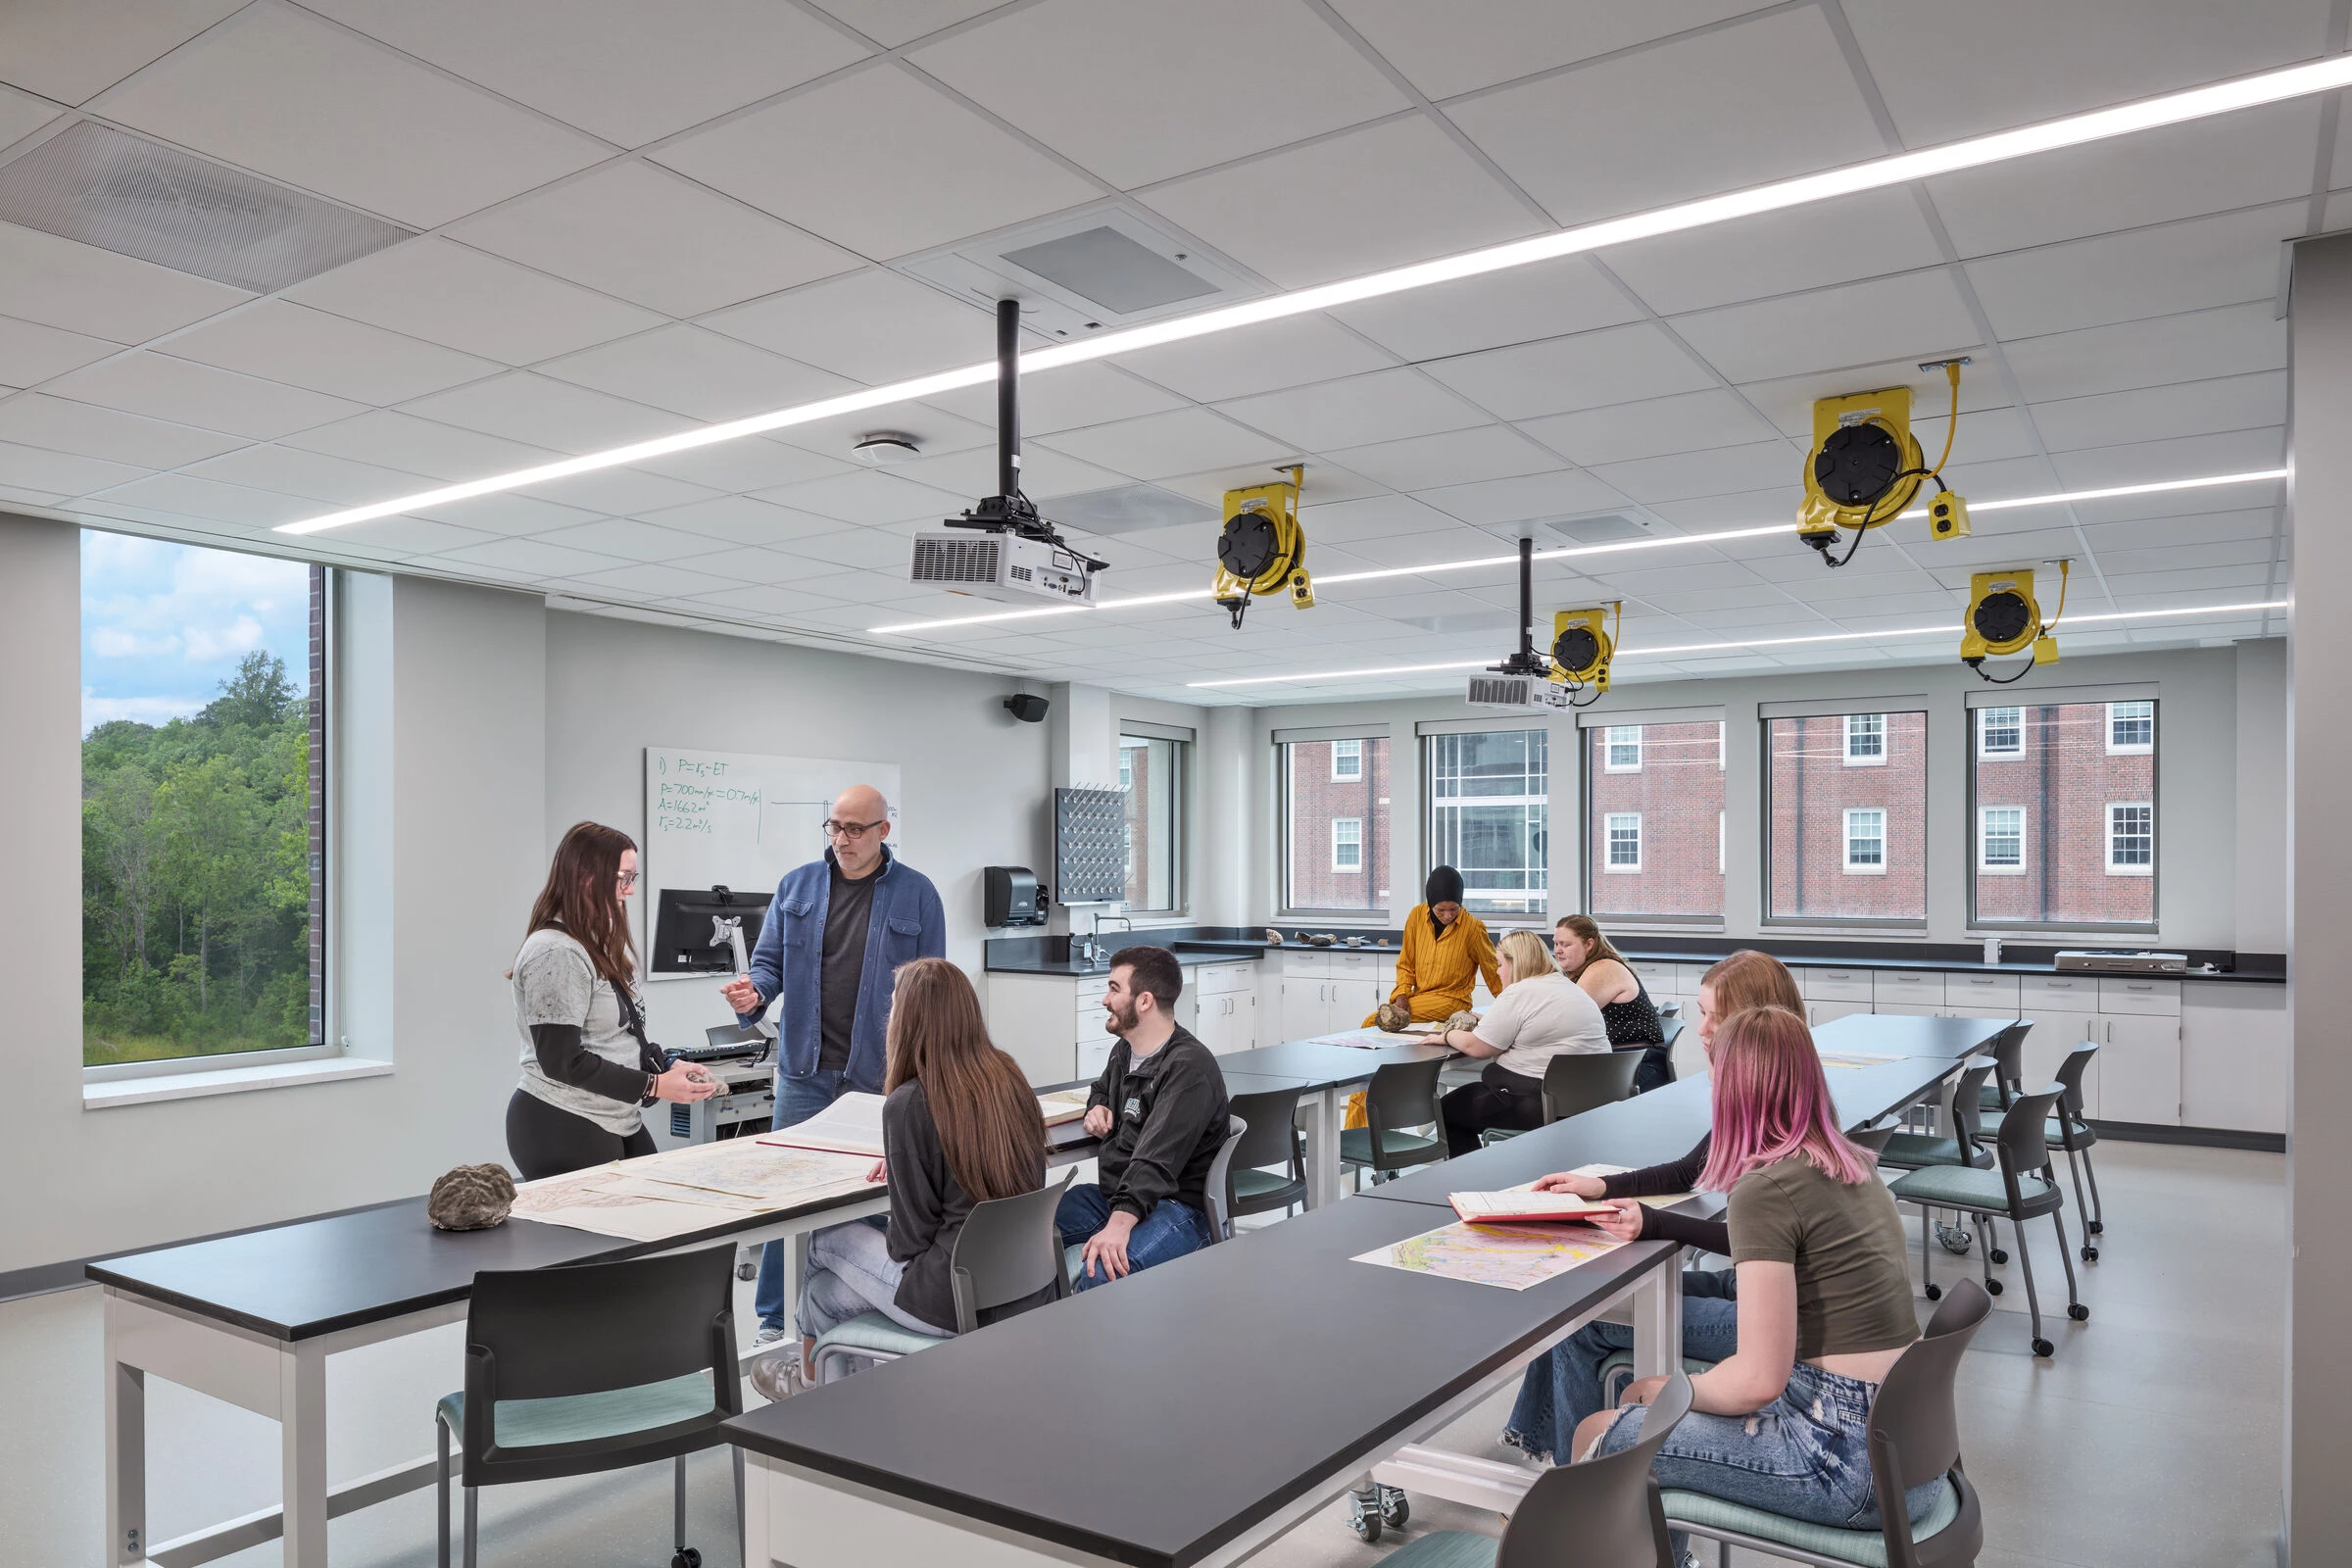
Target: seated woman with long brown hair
961, 1127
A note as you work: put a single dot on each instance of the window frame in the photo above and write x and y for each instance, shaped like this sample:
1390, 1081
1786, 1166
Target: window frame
1180, 763
1340, 868
1865, 759
2146, 868
2017, 728
1986, 868
1609, 744
1610, 864
2145, 748
1354, 777
2149, 928
1539, 858
1852, 868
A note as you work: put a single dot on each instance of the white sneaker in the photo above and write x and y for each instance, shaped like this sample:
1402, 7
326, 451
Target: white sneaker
767, 1337
779, 1376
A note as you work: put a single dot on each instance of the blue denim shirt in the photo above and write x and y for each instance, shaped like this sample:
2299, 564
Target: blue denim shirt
908, 922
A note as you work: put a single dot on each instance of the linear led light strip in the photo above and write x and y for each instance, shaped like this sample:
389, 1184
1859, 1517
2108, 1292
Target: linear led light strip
2206, 482
1749, 642
2171, 109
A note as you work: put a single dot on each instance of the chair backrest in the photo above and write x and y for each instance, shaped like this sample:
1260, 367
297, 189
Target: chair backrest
1670, 1027
1603, 1511
2070, 1078
1008, 1251
2008, 1049
547, 1332
2021, 1144
1915, 1428
1272, 1138
1401, 1095
1219, 1187
1873, 1137
1582, 1082
1961, 1119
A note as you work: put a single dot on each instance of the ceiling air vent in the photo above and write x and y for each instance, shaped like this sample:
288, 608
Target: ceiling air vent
120, 193
1089, 271
1127, 509
1603, 529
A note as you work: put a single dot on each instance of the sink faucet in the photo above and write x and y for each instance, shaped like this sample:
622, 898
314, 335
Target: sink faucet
1094, 940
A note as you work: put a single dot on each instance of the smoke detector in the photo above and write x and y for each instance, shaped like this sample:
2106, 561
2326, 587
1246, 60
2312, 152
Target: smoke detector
882, 447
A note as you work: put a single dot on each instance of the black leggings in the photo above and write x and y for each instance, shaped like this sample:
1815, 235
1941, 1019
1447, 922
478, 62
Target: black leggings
544, 1141
1474, 1107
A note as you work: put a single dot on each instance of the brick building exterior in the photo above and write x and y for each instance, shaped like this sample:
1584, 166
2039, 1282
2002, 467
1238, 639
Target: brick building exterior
1653, 829
1846, 816
2063, 816
1338, 830
1489, 815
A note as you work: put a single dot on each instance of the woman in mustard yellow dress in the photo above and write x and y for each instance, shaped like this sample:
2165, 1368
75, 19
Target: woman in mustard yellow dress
1446, 951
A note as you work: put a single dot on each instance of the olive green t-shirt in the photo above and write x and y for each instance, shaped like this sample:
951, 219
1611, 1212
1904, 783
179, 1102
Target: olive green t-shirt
1854, 1286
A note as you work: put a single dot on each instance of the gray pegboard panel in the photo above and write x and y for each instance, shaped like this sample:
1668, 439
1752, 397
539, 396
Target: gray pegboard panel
1090, 846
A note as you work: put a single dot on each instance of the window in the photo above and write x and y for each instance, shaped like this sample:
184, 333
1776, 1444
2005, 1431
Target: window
1487, 813
1841, 844
1151, 773
1865, 740
203, 817
1624, 830
2066, 821
1347, 843
1624, 743
1316, 800
1346, 762
2130, 728
2001, 840
2130, 838
1865, 841
1676, 793
1999, 733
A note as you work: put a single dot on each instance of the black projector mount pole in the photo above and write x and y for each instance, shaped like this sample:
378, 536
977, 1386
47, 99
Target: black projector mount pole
1526, 661
1008, 511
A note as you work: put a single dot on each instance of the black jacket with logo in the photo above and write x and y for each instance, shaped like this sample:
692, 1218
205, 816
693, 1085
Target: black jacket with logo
1170, 1120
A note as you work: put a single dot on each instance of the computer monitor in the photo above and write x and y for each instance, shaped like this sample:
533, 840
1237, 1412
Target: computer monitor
688, 919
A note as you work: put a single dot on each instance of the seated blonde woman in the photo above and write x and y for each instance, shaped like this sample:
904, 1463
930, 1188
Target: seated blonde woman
1539, 1013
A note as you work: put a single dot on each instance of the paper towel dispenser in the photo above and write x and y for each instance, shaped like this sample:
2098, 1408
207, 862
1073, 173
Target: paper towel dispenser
1012, 897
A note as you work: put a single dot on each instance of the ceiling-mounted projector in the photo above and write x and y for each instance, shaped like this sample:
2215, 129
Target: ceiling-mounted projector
1525, 678
1005, 551
1517, 691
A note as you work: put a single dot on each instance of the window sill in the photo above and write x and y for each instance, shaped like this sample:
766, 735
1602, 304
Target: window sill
226, 1081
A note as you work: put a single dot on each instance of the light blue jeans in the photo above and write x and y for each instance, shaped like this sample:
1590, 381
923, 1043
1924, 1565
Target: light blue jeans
1564, 1388
850, 1272
797, 1099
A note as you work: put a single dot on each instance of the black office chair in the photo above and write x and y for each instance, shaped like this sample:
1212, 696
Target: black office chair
570, 1371
1271, 1141
1873, 1137
2008, 1051
1576, 1084
1403, 1095
1603, 1513
2074, 1134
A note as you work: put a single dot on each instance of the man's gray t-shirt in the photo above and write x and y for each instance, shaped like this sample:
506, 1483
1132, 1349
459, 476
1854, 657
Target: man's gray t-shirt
554, 982
849, 908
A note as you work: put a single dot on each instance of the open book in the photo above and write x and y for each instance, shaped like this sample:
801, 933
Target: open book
1521, 1207
852, 1124
1064, 1104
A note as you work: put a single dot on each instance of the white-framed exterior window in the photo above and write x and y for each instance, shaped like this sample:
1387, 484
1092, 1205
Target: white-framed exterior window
1866, 841
1721, 746
1346, 762
2000, 732
2130, 838
2001, 840
1621, 749
2130, 728
1865, 740
1719, 844
1347, 844
1623, 832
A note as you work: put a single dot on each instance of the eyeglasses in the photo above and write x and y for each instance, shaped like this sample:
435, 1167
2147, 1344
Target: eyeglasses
628, 879
850, 830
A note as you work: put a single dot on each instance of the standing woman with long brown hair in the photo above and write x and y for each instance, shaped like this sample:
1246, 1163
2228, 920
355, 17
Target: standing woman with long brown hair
587, 1067
961, 1127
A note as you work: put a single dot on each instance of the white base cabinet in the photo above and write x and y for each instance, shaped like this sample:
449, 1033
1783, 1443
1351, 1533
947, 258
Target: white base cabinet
2140, 1069
1053, 1024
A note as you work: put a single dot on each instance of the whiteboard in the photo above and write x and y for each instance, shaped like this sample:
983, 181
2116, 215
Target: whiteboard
730, 817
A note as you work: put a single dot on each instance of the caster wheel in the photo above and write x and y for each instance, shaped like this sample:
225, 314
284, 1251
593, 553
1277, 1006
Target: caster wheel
2097, 1227
1998, 1256
1395, 1507
1935, 1293
2090, 1255
2079, 1313
1365, 1523
1956, 1241
746, 1271
1992, 1286
2044, 1349
688, 1557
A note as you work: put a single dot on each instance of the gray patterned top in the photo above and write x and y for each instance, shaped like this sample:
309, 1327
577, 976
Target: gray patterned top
554, 982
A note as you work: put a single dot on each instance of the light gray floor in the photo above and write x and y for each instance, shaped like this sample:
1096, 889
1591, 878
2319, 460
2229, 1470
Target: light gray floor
2153, 1439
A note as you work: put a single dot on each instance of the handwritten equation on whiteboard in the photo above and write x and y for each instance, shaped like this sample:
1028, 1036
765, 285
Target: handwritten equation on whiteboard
695, 795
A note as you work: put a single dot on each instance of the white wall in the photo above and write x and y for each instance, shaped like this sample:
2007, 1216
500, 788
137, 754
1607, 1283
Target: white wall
2261, 816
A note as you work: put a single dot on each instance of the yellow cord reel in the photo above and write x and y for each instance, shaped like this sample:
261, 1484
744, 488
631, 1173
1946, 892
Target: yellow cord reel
1262, 550
1582, 647
1865, 467
2004, 618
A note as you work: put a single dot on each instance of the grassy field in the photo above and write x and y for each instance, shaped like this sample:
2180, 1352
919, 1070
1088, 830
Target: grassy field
105, 1049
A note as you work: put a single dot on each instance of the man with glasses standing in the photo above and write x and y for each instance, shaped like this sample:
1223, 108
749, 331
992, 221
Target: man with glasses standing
834, 937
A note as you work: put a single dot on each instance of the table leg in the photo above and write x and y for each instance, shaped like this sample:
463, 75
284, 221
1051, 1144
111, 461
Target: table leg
302, 1441
125, 1456
1658, 1319
1322, 1110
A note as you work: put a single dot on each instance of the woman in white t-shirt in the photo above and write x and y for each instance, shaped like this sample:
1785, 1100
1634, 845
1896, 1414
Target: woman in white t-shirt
1539, 1013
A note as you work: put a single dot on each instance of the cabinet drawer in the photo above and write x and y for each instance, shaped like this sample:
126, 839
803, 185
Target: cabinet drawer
1910, 988
1313, 965
1094, 1055
1687, 977
2056, 992
1222, 979
1090, 993
1656, 975
1363, 966
1988, 995
2119, 994
1835, 985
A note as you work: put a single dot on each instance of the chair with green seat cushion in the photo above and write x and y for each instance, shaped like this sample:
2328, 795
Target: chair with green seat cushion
2020, 1188
1401, 1095
1956, 1112
2073, 1131
1007, 1253
1578, 1082
1603, 1513
1617, 1372
570, 1371
1914, 1437
1273, 1139
2008, 1051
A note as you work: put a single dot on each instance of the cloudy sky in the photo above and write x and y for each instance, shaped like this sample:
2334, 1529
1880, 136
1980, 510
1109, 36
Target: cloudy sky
163, 624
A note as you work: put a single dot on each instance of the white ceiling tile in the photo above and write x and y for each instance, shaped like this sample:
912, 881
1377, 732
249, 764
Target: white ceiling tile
1788, 400
1444, 52
1725, 470
410, 536
2179, 557
868, 496
1325, 481
1561, 375
654, 581
2165, 412
442, 292
1490, 502
874, 326
1839, 241
879, 161
2240, 159
1688, 421
20, 113
1372, 517
1373, 198
643, 234
533, 557
59, 473
892, 23
1359, 411
313, 475
1547, 299
282, 342
30, 353
86, 430
2235, 340
1984, 436
50, 47
866, 549
2182, 458
181, 390
620, 492
1459, 457
537, 411
1226, 78
932, 430
2025, 61
2152, 272
742, 520
1271, 354
750, 463
190, 496
62, 284
1161, 444
622, 71
748, 564
1064, 398
1619, 136
285, 94
1916, 315
1045, 474
398, 440
2189, 528
508, 515
766, 600
690, 371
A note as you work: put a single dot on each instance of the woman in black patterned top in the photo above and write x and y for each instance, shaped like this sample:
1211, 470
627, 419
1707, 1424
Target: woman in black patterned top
1587, 957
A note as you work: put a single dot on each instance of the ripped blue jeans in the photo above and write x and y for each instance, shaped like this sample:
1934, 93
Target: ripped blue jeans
1805, 1455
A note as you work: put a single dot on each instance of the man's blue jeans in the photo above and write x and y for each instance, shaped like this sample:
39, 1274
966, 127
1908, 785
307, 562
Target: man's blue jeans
797, 1099
1172, 1230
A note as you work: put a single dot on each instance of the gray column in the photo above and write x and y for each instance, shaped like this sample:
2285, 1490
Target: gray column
1228, 764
